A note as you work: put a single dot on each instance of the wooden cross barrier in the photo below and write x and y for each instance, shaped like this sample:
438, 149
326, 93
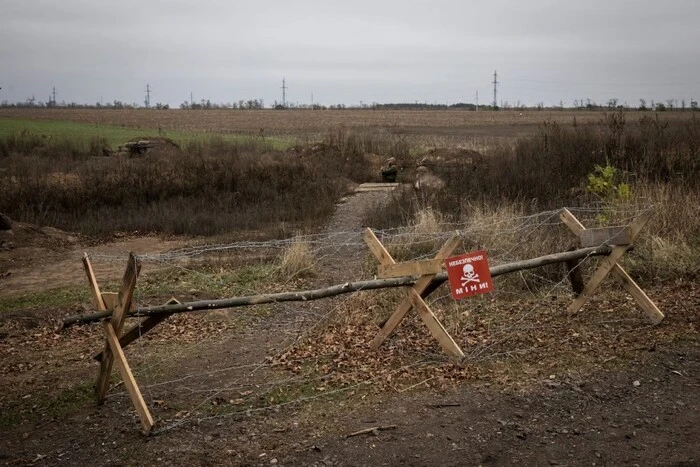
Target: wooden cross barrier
115, 340
621, 238
418, 278
427, 270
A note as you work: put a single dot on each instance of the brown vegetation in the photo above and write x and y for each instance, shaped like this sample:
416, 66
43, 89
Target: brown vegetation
212, 186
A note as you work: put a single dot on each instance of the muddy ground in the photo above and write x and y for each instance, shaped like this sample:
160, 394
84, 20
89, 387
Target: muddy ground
636, 404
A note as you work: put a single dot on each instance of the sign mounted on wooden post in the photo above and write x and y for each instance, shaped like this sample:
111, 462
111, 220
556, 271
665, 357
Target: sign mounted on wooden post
469, 274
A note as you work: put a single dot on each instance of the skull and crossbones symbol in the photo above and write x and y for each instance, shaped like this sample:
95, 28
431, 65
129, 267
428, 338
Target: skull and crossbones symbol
469, 275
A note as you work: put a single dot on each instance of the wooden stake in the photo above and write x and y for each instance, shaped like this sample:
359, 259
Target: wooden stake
434, 325
92, 282
136, 398
639, 295
126, 293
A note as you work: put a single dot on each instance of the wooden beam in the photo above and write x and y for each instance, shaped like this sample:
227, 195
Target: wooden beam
571, 222
434, 325
621, 235
92, 283
128, 377
639, 295
126, 293
377, 249
410, 268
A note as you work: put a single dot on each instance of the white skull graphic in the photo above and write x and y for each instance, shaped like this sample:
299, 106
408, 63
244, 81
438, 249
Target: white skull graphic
469, 275
468, 271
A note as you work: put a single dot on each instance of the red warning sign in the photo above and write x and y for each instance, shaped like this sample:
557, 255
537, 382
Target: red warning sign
469, 274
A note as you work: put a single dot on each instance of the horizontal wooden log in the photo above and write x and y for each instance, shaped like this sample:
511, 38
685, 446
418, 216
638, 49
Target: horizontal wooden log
349, 287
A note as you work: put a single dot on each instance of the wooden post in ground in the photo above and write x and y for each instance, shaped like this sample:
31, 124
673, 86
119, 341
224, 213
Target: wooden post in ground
622, 239
427, 270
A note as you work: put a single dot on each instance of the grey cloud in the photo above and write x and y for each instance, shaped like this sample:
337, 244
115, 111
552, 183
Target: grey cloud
545, 50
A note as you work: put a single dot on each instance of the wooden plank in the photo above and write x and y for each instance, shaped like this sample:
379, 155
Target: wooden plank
110, 300
420, 286
434, 325
410, 268
644, 302
128, 378
571, 222
608, 264
140, 329
92, 282
620, 235
377, 249
126, 293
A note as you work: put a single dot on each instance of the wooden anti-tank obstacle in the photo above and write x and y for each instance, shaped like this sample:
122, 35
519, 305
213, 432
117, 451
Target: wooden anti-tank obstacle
115, 340
419, 279
426, 270
621, 239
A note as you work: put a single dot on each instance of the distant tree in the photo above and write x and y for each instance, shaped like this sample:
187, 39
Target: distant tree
642, 104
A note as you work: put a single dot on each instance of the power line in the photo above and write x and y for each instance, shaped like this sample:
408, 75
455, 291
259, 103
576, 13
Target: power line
284, 93
148, 96
495, 86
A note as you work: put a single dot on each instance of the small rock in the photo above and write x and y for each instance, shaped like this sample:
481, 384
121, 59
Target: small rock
636, 384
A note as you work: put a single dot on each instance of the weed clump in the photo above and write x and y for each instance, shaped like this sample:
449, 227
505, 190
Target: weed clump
297, 260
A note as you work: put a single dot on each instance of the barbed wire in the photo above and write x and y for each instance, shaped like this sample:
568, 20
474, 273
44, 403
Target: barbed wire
327, 247
329, 242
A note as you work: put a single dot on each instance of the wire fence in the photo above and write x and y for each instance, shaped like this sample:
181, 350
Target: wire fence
245, 371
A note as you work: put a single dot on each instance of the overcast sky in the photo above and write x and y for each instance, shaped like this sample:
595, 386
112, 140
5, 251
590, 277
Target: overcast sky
439, 51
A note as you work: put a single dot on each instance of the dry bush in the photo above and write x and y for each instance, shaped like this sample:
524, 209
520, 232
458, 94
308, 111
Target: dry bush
297, 260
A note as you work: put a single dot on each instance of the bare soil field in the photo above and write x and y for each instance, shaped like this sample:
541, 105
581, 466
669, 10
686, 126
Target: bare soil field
299, 123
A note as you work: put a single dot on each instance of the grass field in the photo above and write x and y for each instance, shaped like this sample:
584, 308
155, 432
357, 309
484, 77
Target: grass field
115, 135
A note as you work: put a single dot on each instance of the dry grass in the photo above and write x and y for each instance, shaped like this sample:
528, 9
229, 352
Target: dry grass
297, 260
